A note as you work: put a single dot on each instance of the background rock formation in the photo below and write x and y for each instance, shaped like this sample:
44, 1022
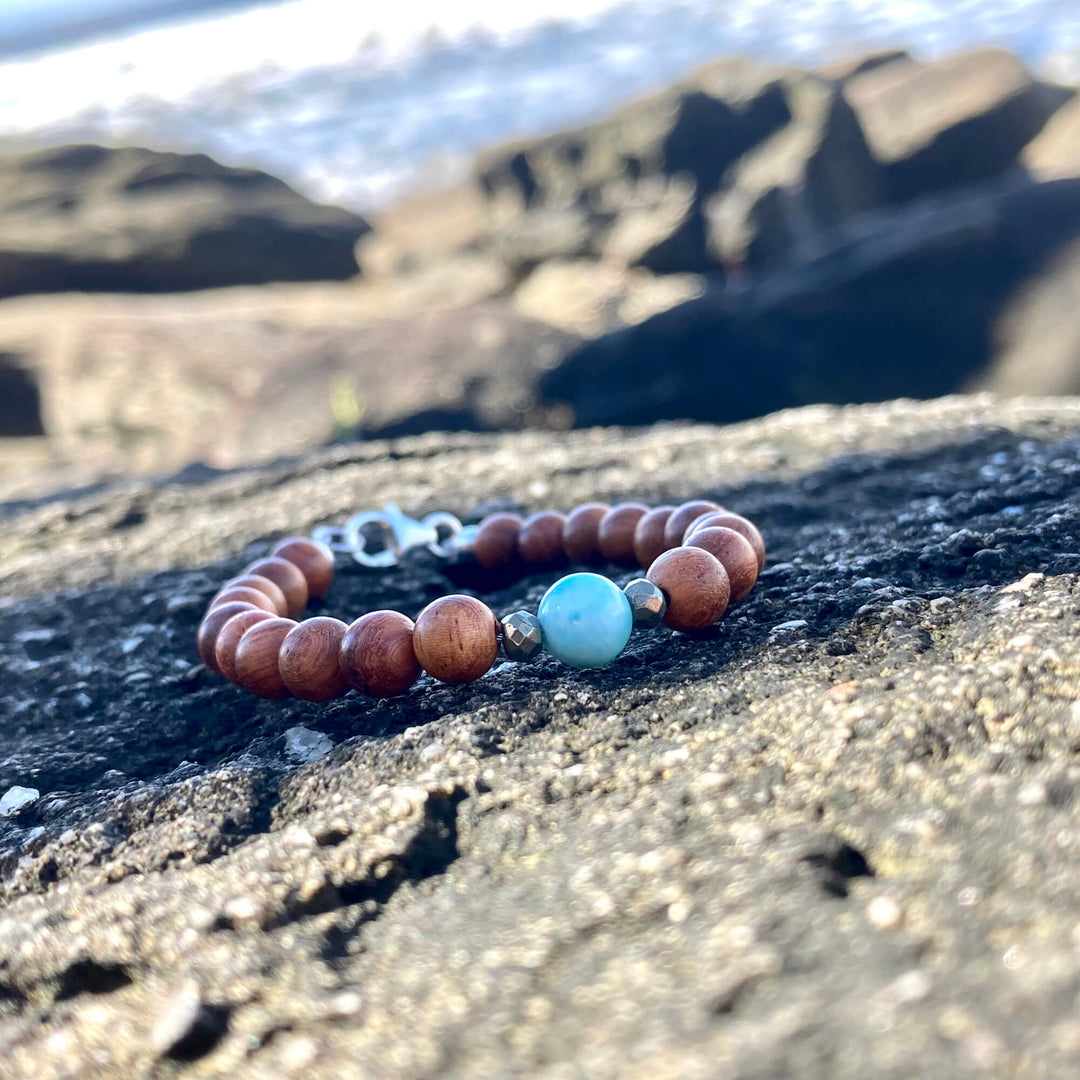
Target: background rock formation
752, 238
831, 837
134, 220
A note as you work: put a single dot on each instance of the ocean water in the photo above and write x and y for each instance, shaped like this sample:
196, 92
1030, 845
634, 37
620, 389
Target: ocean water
354, 102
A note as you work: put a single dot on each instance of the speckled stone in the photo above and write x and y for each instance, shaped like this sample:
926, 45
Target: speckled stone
690, 828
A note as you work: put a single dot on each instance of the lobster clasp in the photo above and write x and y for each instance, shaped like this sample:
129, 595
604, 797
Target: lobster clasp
399, 534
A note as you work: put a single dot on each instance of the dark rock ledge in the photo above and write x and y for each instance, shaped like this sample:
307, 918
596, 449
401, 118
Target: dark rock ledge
834, 838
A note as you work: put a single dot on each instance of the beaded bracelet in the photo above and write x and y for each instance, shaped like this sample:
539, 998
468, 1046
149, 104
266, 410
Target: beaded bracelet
699, 558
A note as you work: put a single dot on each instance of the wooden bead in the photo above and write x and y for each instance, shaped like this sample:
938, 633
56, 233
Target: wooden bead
496, 540
229, 638
682, 516
261, 584
309, 659
735, 554
314, 560
454, 639
256, 660
540, 539
725, 519
695, 584
615, 533
288, 578
377, 654
211, 626
649, 535
255, 597
579, 538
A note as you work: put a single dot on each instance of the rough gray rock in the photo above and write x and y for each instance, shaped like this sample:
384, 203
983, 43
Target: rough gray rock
813, 174
960, 120
907, 304
765, 160
1055, 152
833, 837
97, 219
694, 128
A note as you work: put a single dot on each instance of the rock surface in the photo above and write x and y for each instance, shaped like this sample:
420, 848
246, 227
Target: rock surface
914, 307
960, 120
741, 165
835, 837
1055, 153
98, 219
229, 377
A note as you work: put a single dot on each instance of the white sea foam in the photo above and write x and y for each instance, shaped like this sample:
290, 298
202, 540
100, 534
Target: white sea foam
352, 99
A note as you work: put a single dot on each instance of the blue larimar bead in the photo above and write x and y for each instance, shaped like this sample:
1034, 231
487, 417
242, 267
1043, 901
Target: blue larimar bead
586, 620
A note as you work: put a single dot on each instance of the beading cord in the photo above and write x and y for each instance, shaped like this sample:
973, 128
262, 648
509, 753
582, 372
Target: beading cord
699, 558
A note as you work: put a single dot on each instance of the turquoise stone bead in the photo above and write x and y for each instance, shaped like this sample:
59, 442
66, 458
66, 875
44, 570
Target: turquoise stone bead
586, 620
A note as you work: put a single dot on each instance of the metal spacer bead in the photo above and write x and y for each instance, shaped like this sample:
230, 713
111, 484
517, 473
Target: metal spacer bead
647, 601
522, 636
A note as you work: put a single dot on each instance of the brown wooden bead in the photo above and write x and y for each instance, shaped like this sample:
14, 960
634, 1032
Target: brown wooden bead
615, 533
695, 584
256, 660
377, 654
725, 519
255, 597
211, 626
700, 522
682, 516
262, 584
309, 659
540, 539
496, 540
229, 638
649, 535
455, 638
289, 579
735, 555
314, 560
579, 538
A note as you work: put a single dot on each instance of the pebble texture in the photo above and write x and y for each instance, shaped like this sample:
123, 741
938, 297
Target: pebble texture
834, 837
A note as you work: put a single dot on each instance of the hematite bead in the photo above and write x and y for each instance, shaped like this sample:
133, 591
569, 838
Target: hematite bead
647, 601
522, 636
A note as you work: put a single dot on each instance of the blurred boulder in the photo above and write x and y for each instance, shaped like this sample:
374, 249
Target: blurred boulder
661, 229
562, 232
20, 398
1055, 152
810, 175
91, 218
908, 308
742, 165
423, 229
147, 384
633, 185
842, 70
695, 128
589, 298
959, 120
1040, 334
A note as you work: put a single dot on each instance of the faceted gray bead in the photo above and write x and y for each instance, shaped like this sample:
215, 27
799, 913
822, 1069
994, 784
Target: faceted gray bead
522, 636
647, 601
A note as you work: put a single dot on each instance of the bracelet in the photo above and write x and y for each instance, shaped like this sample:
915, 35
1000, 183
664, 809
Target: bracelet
699, 558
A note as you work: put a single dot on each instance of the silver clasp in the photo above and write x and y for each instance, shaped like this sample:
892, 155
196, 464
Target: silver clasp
399, 533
